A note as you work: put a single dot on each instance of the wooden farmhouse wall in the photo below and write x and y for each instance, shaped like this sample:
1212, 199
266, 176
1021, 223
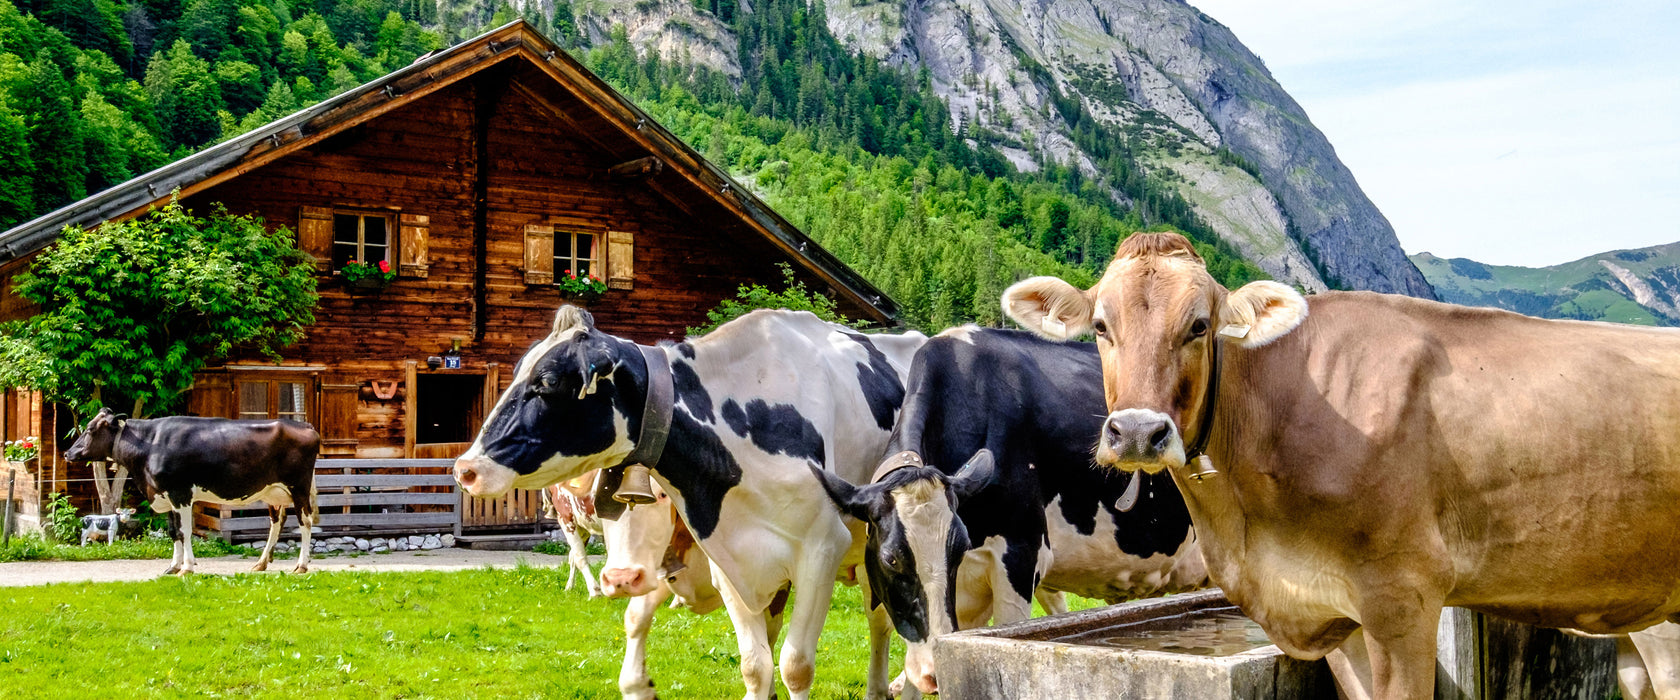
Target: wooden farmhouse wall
479, 282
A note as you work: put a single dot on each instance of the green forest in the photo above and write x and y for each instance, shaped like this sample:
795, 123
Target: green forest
858, 153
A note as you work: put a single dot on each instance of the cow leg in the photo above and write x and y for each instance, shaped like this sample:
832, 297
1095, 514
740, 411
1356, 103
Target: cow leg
1400, 645
186, 538
878, 687
276, 518
750, 638
308, 515
577, 551
815, 583
111, 534
1350, 663
633, 680
1053, 602
1658, 657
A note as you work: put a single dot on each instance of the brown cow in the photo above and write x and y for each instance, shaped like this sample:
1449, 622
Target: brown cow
1352, 470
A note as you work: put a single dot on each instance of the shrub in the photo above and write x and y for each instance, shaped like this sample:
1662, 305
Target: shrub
794, 297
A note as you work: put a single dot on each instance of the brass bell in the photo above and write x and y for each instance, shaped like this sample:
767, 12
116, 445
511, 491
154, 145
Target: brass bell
637, 487
1204, 469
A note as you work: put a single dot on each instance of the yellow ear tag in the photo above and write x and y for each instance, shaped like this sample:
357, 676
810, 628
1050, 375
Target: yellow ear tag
1051, 324
1236, 331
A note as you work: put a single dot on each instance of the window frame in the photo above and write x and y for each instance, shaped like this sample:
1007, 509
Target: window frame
273, 380
598, 246
393, 235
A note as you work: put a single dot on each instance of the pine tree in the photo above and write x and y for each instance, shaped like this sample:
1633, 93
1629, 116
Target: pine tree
46, 102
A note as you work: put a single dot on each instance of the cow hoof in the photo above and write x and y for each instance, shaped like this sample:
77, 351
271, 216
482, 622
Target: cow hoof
261, 566
171, 571
300, 570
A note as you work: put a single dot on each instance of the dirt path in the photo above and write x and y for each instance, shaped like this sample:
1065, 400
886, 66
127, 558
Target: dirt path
35, 573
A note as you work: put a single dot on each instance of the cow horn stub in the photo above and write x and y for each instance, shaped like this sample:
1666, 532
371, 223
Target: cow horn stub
637, 487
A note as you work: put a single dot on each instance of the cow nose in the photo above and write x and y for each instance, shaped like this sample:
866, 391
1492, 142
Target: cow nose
1136, 435
466, 473
621, 582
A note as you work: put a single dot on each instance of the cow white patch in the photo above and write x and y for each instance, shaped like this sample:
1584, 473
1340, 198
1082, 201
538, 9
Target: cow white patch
1094, 566
926, 516
964, 333
273, 494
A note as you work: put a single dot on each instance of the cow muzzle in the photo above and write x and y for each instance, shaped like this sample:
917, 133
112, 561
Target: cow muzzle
918, 667
626, 582
1140, 439
479, 476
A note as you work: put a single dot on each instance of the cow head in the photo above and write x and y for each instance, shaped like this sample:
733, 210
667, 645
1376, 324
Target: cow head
97, 439
1156, 313
648, 543
915, 543
574, 405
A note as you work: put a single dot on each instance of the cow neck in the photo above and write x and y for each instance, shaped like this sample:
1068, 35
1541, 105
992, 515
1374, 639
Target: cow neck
1204, 424
657, 405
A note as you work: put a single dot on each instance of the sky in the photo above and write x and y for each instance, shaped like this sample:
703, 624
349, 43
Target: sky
1512, 132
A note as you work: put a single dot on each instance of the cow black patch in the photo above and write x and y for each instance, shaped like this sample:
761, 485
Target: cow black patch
778, 429
686, 349
532, 426
691, 393
879, 382
701, 469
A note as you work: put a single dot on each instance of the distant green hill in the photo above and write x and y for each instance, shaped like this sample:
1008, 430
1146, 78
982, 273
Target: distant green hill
1626, 286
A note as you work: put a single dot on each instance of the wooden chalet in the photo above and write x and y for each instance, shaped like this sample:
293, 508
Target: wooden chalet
478, 172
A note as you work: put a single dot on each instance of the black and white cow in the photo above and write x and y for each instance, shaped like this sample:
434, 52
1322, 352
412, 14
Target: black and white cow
182, 460
950, 549
755, 402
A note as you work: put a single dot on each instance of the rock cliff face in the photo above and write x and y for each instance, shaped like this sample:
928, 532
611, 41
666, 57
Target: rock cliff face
1179, 87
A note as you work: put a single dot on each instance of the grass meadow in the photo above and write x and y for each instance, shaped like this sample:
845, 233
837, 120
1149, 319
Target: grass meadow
509, 633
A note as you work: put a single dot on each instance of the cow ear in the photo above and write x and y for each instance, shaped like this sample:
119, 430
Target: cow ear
1049, 307
848, 497
977, 474
1261, 312
570, 317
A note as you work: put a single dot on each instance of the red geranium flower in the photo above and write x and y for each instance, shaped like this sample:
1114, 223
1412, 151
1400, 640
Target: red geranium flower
384, 266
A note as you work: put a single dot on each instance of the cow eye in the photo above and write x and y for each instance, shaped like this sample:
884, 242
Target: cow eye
1101, 328
1198, 328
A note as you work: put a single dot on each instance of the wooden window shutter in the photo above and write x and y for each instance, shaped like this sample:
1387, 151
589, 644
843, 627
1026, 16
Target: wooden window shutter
621, 260
315, 234
412, 258
539, 254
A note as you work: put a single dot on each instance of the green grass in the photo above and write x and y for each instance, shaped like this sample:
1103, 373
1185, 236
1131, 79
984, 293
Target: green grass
509, 633
36, 548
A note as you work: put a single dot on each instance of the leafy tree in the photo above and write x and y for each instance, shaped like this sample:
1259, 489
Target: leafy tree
130, 310
794, 296
41, 95
185, 96
17, 193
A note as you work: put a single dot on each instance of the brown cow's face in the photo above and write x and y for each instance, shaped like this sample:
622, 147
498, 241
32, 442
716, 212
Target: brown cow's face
97, 439
1156, 313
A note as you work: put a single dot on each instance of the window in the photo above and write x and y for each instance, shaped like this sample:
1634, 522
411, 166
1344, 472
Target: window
448, 407
261, 399
363, 237
578, 252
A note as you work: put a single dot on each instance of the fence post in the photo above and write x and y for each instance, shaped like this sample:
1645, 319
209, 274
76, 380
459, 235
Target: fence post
11, 489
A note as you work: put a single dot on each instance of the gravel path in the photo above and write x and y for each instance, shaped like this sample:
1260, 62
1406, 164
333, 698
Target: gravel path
35, 573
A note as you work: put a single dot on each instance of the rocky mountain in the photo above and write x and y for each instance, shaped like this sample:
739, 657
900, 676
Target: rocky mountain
1197, 109
1626, 286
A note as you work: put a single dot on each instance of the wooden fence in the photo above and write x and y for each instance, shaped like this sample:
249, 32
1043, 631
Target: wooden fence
367, 497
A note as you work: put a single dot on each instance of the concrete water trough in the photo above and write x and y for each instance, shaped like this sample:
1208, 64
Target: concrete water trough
1198, 645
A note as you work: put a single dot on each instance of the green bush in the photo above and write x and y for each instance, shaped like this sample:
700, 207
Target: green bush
795, 297
62, 521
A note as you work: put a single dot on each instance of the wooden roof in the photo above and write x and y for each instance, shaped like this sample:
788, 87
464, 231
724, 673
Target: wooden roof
547, 75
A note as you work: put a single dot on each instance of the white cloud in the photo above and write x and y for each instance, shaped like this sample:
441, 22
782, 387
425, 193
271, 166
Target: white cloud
1517, 133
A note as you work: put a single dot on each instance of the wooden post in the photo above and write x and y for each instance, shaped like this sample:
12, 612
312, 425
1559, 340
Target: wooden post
411, 420
11, 488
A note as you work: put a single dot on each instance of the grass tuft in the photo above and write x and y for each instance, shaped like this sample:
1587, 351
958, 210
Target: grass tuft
36, 548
